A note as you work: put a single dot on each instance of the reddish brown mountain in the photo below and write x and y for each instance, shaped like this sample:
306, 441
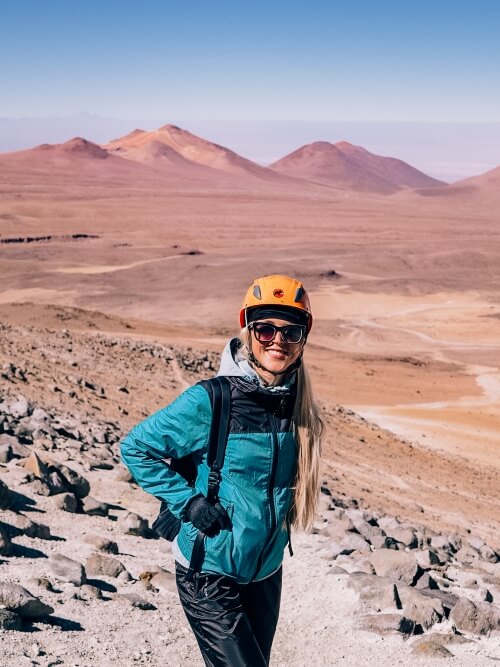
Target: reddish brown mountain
346, 166
171, 146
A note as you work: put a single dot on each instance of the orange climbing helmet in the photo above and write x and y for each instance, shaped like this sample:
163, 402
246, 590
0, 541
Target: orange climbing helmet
276, 292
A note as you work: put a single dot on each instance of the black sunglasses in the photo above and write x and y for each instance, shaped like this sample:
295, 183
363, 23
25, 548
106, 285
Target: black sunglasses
265, 332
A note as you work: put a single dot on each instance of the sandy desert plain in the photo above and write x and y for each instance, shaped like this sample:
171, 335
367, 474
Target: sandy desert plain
156, 236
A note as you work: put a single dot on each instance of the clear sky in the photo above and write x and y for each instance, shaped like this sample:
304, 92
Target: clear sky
191, 61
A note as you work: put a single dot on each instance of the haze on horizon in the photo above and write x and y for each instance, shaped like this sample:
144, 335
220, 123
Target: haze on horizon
417, 82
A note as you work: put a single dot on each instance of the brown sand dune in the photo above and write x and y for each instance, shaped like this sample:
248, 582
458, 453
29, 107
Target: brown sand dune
352, 167
473, 191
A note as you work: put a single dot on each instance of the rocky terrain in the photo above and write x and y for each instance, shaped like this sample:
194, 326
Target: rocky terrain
84, 581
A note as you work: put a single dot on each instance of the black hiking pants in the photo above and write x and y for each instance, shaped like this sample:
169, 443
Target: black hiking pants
233, 623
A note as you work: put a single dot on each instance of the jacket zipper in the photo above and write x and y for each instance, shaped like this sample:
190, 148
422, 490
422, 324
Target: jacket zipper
270, 489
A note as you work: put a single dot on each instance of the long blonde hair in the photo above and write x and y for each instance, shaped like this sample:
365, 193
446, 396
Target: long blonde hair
308, 429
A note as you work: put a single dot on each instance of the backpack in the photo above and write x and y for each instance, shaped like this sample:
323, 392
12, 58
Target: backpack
167, 525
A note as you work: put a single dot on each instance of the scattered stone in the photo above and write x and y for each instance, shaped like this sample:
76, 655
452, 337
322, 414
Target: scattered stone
431, 649
19, 524
66, 569
427, 559
135, 600
466, 555
164, 582
448, 600
6, 453
133, 524
488, 554
376, 593
422, 609
88, 593
481, 618
40, 582
95, 507
404, 536
17, 599
443, 639
397, 565
66, 502
101, 544
387, 624
98, 564
336, 569
383, 542
426, 581
9, 620
354, 542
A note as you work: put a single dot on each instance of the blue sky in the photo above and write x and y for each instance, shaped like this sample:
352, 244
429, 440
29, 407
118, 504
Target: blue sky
193, 61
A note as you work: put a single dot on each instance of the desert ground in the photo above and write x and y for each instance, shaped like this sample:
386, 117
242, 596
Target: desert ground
404, 351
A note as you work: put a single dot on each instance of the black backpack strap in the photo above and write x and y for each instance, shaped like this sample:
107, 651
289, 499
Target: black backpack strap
219, 391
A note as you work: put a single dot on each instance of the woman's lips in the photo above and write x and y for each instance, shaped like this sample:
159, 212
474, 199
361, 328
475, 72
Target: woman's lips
276, 354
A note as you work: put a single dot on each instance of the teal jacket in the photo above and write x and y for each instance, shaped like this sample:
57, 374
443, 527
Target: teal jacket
257, 476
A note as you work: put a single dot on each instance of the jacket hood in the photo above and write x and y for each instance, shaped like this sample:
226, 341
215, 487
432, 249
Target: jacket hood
234, 364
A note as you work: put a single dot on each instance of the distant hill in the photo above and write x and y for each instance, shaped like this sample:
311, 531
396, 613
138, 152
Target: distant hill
172, 147
346, 166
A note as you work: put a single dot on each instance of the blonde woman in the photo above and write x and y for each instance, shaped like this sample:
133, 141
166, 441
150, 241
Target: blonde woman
269, 479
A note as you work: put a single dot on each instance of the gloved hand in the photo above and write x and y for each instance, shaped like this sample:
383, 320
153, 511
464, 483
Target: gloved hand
210, 519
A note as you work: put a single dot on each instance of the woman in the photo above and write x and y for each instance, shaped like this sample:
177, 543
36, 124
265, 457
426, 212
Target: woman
269, 480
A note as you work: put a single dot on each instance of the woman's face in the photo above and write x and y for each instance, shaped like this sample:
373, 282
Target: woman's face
276, 355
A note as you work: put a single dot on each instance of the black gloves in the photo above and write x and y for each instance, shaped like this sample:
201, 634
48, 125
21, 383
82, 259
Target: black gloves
210, 519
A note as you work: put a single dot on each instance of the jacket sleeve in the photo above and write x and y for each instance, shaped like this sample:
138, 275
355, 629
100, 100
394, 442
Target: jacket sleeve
181, 428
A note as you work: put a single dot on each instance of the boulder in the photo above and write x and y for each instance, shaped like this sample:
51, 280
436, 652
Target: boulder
100, 565
67, 569
387, 624
94, 507
134, 600
354, 542
77, 483
487, 553
20, 524
422, 609
17, 599
101, 544
427, 559
404, 536
66, 502
133, 524
427, 581
18, 408
87, 592
164, 582
397, 565
376, 593
383, 542
480, 618
431, 649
